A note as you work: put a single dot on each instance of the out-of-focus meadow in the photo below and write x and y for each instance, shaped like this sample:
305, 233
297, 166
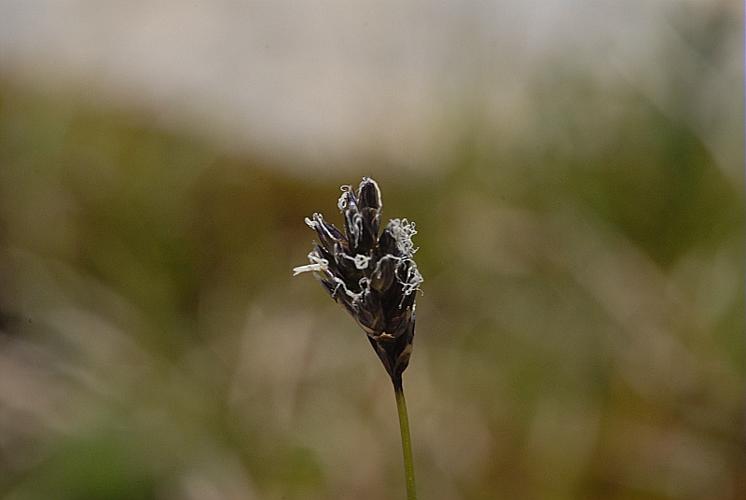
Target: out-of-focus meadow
575, 172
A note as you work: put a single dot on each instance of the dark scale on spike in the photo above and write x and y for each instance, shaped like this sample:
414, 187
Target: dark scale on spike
372, 275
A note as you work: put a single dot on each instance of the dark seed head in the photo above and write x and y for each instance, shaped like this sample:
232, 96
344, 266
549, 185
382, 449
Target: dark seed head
372, 275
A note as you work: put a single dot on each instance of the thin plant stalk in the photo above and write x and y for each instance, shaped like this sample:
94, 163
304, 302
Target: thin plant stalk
372, 273
406, 440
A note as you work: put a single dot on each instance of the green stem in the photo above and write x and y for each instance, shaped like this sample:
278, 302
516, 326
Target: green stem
406, 441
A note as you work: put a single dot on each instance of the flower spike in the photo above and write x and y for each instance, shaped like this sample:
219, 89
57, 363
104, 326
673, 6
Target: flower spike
374, 276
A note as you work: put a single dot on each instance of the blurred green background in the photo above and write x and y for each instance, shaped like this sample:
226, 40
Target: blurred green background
580, 334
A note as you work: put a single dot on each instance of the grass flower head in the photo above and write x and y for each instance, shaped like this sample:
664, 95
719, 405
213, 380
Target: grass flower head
372, 273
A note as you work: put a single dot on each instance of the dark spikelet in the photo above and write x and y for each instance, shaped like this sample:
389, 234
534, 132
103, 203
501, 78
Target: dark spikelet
371, 272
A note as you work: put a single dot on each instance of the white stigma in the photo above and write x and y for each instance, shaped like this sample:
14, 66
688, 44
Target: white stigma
317, 264
402, 230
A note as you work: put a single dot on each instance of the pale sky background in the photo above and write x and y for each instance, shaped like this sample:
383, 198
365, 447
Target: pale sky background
325, 82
